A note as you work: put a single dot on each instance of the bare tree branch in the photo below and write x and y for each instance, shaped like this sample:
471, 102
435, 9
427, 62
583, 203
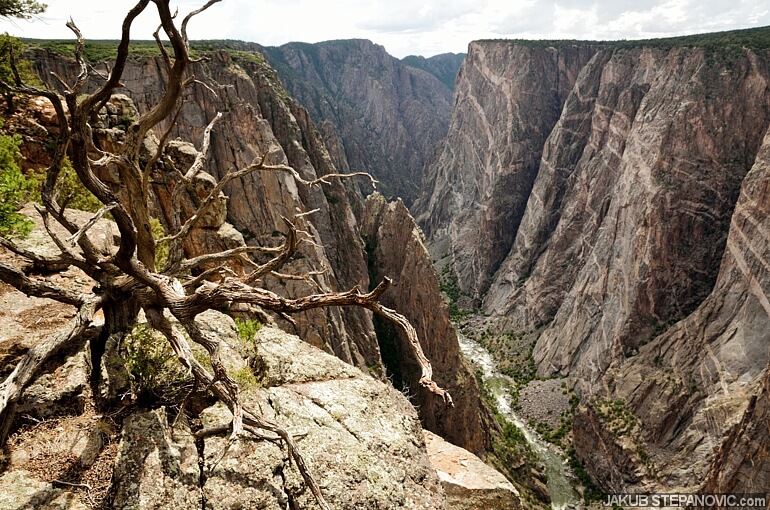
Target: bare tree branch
323, 179
96, 217
277, 262
39, 288
128, 279
80, 44
222, 256
195, 13
232, 291
36, 258
175, 243
162, 47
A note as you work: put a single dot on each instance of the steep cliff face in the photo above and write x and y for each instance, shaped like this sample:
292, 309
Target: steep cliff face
631, 245
396, 249
260, 116
628, 217
507, 100
388, 115
700, 389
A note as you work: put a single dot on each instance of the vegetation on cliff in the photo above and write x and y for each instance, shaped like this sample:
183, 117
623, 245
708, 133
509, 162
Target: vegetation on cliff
731, 41
15, 189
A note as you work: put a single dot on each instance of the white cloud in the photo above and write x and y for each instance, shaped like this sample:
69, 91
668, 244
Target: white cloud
406, 26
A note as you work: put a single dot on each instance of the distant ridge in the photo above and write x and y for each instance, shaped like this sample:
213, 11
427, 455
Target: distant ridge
444, 66
756, 39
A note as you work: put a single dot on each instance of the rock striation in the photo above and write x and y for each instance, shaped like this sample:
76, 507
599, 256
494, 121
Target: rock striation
507, 100
700, 388
609, 202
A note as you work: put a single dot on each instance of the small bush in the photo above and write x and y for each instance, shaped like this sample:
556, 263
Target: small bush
156, 373
161, 249
72, 193
247, 328
15, 189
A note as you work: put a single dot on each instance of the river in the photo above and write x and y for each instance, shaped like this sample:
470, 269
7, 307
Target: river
562, 493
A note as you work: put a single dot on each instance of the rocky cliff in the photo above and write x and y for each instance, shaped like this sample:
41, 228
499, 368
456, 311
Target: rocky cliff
700, 389
260, 116
396, 248
507, 100
607, 201
388, 115
360, 437
444, 66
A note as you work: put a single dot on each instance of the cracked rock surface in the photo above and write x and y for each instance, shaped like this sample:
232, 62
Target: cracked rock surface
361, 439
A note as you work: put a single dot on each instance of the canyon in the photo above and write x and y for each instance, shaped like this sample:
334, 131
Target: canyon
260, 118
606, 202
602, 204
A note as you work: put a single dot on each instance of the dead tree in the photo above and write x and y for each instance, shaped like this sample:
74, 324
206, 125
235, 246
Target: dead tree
127, 280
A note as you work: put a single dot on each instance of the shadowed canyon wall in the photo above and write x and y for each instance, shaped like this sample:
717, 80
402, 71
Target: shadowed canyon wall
387, 114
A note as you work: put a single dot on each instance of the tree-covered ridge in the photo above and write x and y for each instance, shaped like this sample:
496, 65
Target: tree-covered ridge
756, 39
101, 50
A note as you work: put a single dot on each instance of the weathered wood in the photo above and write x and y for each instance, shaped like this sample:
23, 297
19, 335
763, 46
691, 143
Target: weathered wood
39, 288
11, 389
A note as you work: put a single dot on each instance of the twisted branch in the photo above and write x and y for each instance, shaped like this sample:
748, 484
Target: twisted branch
11, 389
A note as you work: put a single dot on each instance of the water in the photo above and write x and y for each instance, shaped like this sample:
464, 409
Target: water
562, 493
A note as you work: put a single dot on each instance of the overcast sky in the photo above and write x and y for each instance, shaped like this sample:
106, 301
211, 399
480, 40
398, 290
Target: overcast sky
407, 27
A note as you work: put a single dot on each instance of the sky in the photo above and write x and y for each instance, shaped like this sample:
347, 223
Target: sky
406, 27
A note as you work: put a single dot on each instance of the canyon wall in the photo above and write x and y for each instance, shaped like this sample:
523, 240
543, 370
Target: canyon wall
260, 117
608, 201
700, 388
388, 115
397, 249
507, 100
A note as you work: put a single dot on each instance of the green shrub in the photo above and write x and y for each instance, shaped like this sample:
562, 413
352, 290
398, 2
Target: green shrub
72, 193
161, 249
247, 328
10, 45
156, 373
15, 189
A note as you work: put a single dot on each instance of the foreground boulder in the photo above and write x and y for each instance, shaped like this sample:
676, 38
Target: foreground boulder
469, 483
